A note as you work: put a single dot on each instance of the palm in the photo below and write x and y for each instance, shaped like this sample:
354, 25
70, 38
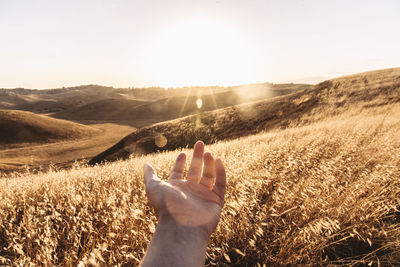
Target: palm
196, 201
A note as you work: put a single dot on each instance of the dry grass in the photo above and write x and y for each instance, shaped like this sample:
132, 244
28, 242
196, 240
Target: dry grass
324, 193
346, 95
17, 128
35, 156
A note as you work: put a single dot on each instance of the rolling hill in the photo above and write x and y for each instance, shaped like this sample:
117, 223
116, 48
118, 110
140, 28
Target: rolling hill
103, 110
112, 112
134, 106
21, 127
327, 99
54, 100
141, 113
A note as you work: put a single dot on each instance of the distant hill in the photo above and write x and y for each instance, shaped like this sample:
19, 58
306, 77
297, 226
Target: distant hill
21, 127
138, 106
142, 113
103, 110
54, 100
329, 98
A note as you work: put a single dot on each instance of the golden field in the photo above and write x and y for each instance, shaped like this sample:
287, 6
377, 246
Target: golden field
323, 193
313, 179
56, 127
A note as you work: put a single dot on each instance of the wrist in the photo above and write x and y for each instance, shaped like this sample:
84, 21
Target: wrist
174, 244
182, 231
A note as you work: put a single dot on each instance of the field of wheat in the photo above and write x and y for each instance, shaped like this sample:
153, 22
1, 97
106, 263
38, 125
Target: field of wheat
323, 193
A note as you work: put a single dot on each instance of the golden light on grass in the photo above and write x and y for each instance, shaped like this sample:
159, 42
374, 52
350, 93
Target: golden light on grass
323, 190
293, 197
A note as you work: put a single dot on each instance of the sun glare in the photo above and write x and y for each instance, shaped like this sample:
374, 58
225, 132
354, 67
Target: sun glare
199, 103
200, 52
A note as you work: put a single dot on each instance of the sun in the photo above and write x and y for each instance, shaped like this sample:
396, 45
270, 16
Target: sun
200, 51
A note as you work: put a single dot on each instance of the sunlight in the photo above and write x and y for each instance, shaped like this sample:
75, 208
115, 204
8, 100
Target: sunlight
199, 103
184, 102
211, 91
200, 51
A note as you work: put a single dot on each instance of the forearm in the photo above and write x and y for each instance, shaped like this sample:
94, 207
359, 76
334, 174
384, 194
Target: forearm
176, 245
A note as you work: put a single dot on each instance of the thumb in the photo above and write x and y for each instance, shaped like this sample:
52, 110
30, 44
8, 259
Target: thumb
149, 174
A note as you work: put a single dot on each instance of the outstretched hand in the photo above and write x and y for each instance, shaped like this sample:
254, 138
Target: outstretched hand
194, 202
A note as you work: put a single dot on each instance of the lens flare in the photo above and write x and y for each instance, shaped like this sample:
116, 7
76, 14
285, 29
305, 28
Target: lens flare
160, 140
199, 103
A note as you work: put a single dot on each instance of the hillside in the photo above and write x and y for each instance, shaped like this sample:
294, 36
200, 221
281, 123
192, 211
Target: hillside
21, 127
99, 103
56, 100
113, 113
323, 193
141, 113
104, 110
326, 99
144, 113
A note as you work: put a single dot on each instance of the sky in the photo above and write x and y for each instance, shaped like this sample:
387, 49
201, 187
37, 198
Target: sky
171, 43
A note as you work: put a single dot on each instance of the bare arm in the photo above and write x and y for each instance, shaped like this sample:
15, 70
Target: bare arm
188, 210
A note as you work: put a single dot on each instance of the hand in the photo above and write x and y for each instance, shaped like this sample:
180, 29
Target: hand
195, 202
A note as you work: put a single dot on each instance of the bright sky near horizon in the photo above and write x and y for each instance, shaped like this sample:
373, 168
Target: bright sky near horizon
170, 43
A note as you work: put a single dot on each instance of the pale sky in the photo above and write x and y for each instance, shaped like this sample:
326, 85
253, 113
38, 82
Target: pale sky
170, 43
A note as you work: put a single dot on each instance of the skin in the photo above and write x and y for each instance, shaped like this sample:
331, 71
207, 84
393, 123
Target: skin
188, 209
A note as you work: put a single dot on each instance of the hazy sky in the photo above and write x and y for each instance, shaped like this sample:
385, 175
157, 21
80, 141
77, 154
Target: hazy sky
48, 43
